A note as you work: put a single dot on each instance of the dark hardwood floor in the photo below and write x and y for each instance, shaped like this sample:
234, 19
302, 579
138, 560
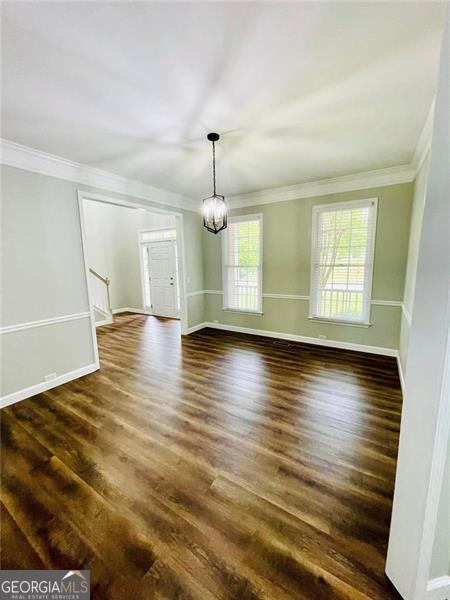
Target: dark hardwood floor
217, 466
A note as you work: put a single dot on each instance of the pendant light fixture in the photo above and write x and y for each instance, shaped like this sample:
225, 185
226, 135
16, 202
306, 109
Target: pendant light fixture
214, 207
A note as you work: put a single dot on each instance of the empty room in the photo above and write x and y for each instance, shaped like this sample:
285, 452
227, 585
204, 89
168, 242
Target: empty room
225, 351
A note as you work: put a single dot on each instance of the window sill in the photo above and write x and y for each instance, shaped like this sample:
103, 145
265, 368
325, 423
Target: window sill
338, 322
257, 313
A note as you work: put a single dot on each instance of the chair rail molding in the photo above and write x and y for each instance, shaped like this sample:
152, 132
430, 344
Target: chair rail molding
44, 322
397, 303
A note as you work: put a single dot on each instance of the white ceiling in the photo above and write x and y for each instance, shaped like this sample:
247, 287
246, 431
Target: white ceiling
299, 91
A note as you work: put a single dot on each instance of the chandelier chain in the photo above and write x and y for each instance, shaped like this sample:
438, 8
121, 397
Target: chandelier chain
214, 167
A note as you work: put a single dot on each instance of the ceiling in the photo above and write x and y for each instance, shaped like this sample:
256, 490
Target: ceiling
299, 91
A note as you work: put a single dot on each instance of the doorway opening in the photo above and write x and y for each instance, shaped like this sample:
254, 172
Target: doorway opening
118, 251
158, 251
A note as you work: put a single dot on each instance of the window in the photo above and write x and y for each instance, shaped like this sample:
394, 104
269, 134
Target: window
154, 235
342, 261
242, 261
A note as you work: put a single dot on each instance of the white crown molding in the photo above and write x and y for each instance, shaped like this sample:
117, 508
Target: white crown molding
424, 143
346, 183
37, 161
43, 322
30, 159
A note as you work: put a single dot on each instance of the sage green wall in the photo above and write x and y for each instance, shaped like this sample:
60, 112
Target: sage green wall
193, 228
196, 307
286, 268
43, 276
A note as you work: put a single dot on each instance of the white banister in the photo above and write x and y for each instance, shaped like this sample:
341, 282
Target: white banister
100, 296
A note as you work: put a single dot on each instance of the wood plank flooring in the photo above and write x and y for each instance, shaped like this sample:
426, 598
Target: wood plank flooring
214, 466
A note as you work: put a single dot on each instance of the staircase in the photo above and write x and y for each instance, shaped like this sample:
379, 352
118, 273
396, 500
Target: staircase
101, 302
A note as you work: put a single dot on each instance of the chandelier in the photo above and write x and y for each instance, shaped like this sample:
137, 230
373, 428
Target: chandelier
214, 207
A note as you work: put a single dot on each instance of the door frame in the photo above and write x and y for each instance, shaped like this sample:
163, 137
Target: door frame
141, 264
179, 225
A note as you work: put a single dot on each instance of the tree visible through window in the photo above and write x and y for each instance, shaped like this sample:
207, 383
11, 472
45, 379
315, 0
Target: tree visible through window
242, 264
342, 261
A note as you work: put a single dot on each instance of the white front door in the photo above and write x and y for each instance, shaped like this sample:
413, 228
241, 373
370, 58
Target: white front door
162, 262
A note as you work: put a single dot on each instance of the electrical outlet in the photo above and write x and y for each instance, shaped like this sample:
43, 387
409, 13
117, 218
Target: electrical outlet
322, 337
50, 376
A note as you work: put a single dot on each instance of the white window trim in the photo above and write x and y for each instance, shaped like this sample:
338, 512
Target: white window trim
342, 322
148, 230
368, 281
243, 311
239, 219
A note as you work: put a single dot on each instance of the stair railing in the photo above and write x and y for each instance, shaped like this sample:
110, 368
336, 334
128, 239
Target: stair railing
101, 298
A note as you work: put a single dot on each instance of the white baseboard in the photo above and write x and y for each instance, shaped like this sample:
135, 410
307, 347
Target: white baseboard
46, 385
400, 373
299, 338
104, 322
107, 317
195, 328
439, 588
139, 311
101, 323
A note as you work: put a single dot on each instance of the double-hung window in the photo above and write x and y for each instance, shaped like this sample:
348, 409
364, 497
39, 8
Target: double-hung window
242, 264
343, 240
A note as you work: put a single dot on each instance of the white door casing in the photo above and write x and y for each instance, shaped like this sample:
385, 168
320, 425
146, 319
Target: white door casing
163, 278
